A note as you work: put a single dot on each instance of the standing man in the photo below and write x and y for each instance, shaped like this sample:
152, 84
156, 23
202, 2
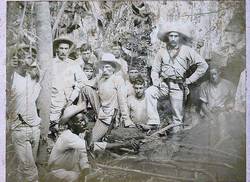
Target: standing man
116, 49
25, 122
168, 72
112, 93
67, 78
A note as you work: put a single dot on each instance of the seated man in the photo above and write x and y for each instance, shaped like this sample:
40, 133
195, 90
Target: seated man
216, 94
112, 95
137, 102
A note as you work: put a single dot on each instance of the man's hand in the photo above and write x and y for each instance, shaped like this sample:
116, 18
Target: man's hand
14, 62
164, 87
43, 138
187, 81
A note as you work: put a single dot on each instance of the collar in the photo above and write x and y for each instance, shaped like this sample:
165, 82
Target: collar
67, 60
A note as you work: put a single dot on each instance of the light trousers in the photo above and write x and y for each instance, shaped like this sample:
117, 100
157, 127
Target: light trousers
153, 93
26, 141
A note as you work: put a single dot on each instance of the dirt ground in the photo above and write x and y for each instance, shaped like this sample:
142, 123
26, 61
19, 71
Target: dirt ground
196, 154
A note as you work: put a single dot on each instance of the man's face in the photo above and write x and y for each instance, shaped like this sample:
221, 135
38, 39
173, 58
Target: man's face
133, 74
86, 54
89, 73
144, 73
139, 90
63, 50
25, 62
116, 50
174, 39
108, 70
214, 75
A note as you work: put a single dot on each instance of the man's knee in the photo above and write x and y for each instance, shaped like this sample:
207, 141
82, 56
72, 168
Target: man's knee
87, 90
151, 91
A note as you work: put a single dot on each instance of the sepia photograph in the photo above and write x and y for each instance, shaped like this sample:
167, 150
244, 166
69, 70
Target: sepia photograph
126, 91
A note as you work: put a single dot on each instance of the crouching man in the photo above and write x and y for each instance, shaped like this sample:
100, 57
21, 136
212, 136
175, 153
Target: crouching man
68, 158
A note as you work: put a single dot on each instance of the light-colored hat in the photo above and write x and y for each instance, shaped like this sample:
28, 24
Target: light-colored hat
184, 28
62, 39
108, 58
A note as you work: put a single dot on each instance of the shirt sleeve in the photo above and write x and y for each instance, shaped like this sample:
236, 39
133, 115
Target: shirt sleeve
202, 66
156, 69
122, 97
73, 141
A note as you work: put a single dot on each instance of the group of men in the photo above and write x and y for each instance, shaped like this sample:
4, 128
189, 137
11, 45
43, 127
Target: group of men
117, 94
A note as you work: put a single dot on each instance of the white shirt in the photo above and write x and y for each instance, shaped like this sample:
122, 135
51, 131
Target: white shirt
113, 94
67, 76
69, 150
24, 93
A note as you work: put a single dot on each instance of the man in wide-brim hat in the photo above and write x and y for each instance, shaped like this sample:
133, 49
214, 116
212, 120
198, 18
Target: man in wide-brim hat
112, 95
168, 72
67, 78
62, 39
182, 28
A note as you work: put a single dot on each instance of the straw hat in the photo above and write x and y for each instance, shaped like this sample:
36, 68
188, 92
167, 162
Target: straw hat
108, 58
184, 28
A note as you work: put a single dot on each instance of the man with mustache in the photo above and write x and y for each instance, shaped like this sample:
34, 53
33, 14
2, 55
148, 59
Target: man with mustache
67, 79
168, 72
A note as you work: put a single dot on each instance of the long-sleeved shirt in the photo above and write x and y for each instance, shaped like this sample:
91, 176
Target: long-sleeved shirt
24, 93
167, 67
67, 76
113, 94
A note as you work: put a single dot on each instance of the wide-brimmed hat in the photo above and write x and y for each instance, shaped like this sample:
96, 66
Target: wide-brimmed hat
184, 28
62, 39
108, 58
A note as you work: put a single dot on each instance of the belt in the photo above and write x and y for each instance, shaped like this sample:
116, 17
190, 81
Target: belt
176, 81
